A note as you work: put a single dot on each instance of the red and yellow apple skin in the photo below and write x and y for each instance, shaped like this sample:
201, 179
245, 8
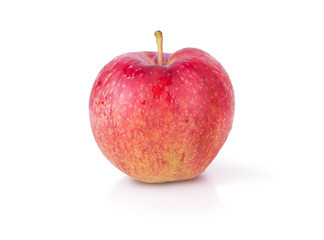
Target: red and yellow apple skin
161, 123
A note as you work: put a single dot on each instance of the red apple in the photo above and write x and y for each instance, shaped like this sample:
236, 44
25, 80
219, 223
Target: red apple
162, 117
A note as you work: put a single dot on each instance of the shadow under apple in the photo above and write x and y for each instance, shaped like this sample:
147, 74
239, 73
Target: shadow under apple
191, 197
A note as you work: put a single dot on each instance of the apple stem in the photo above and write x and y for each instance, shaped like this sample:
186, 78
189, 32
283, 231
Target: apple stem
159, 41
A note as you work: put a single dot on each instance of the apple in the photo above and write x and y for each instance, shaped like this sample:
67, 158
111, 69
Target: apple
162, 117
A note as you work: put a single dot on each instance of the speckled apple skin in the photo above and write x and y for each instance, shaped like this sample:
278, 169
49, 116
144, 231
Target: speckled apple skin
161, 123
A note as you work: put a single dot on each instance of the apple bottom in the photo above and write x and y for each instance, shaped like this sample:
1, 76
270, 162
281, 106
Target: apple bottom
160, 147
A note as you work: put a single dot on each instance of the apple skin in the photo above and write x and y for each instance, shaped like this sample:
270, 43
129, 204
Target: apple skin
161, 123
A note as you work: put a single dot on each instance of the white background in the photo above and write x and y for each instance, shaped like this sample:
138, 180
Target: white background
267, 181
